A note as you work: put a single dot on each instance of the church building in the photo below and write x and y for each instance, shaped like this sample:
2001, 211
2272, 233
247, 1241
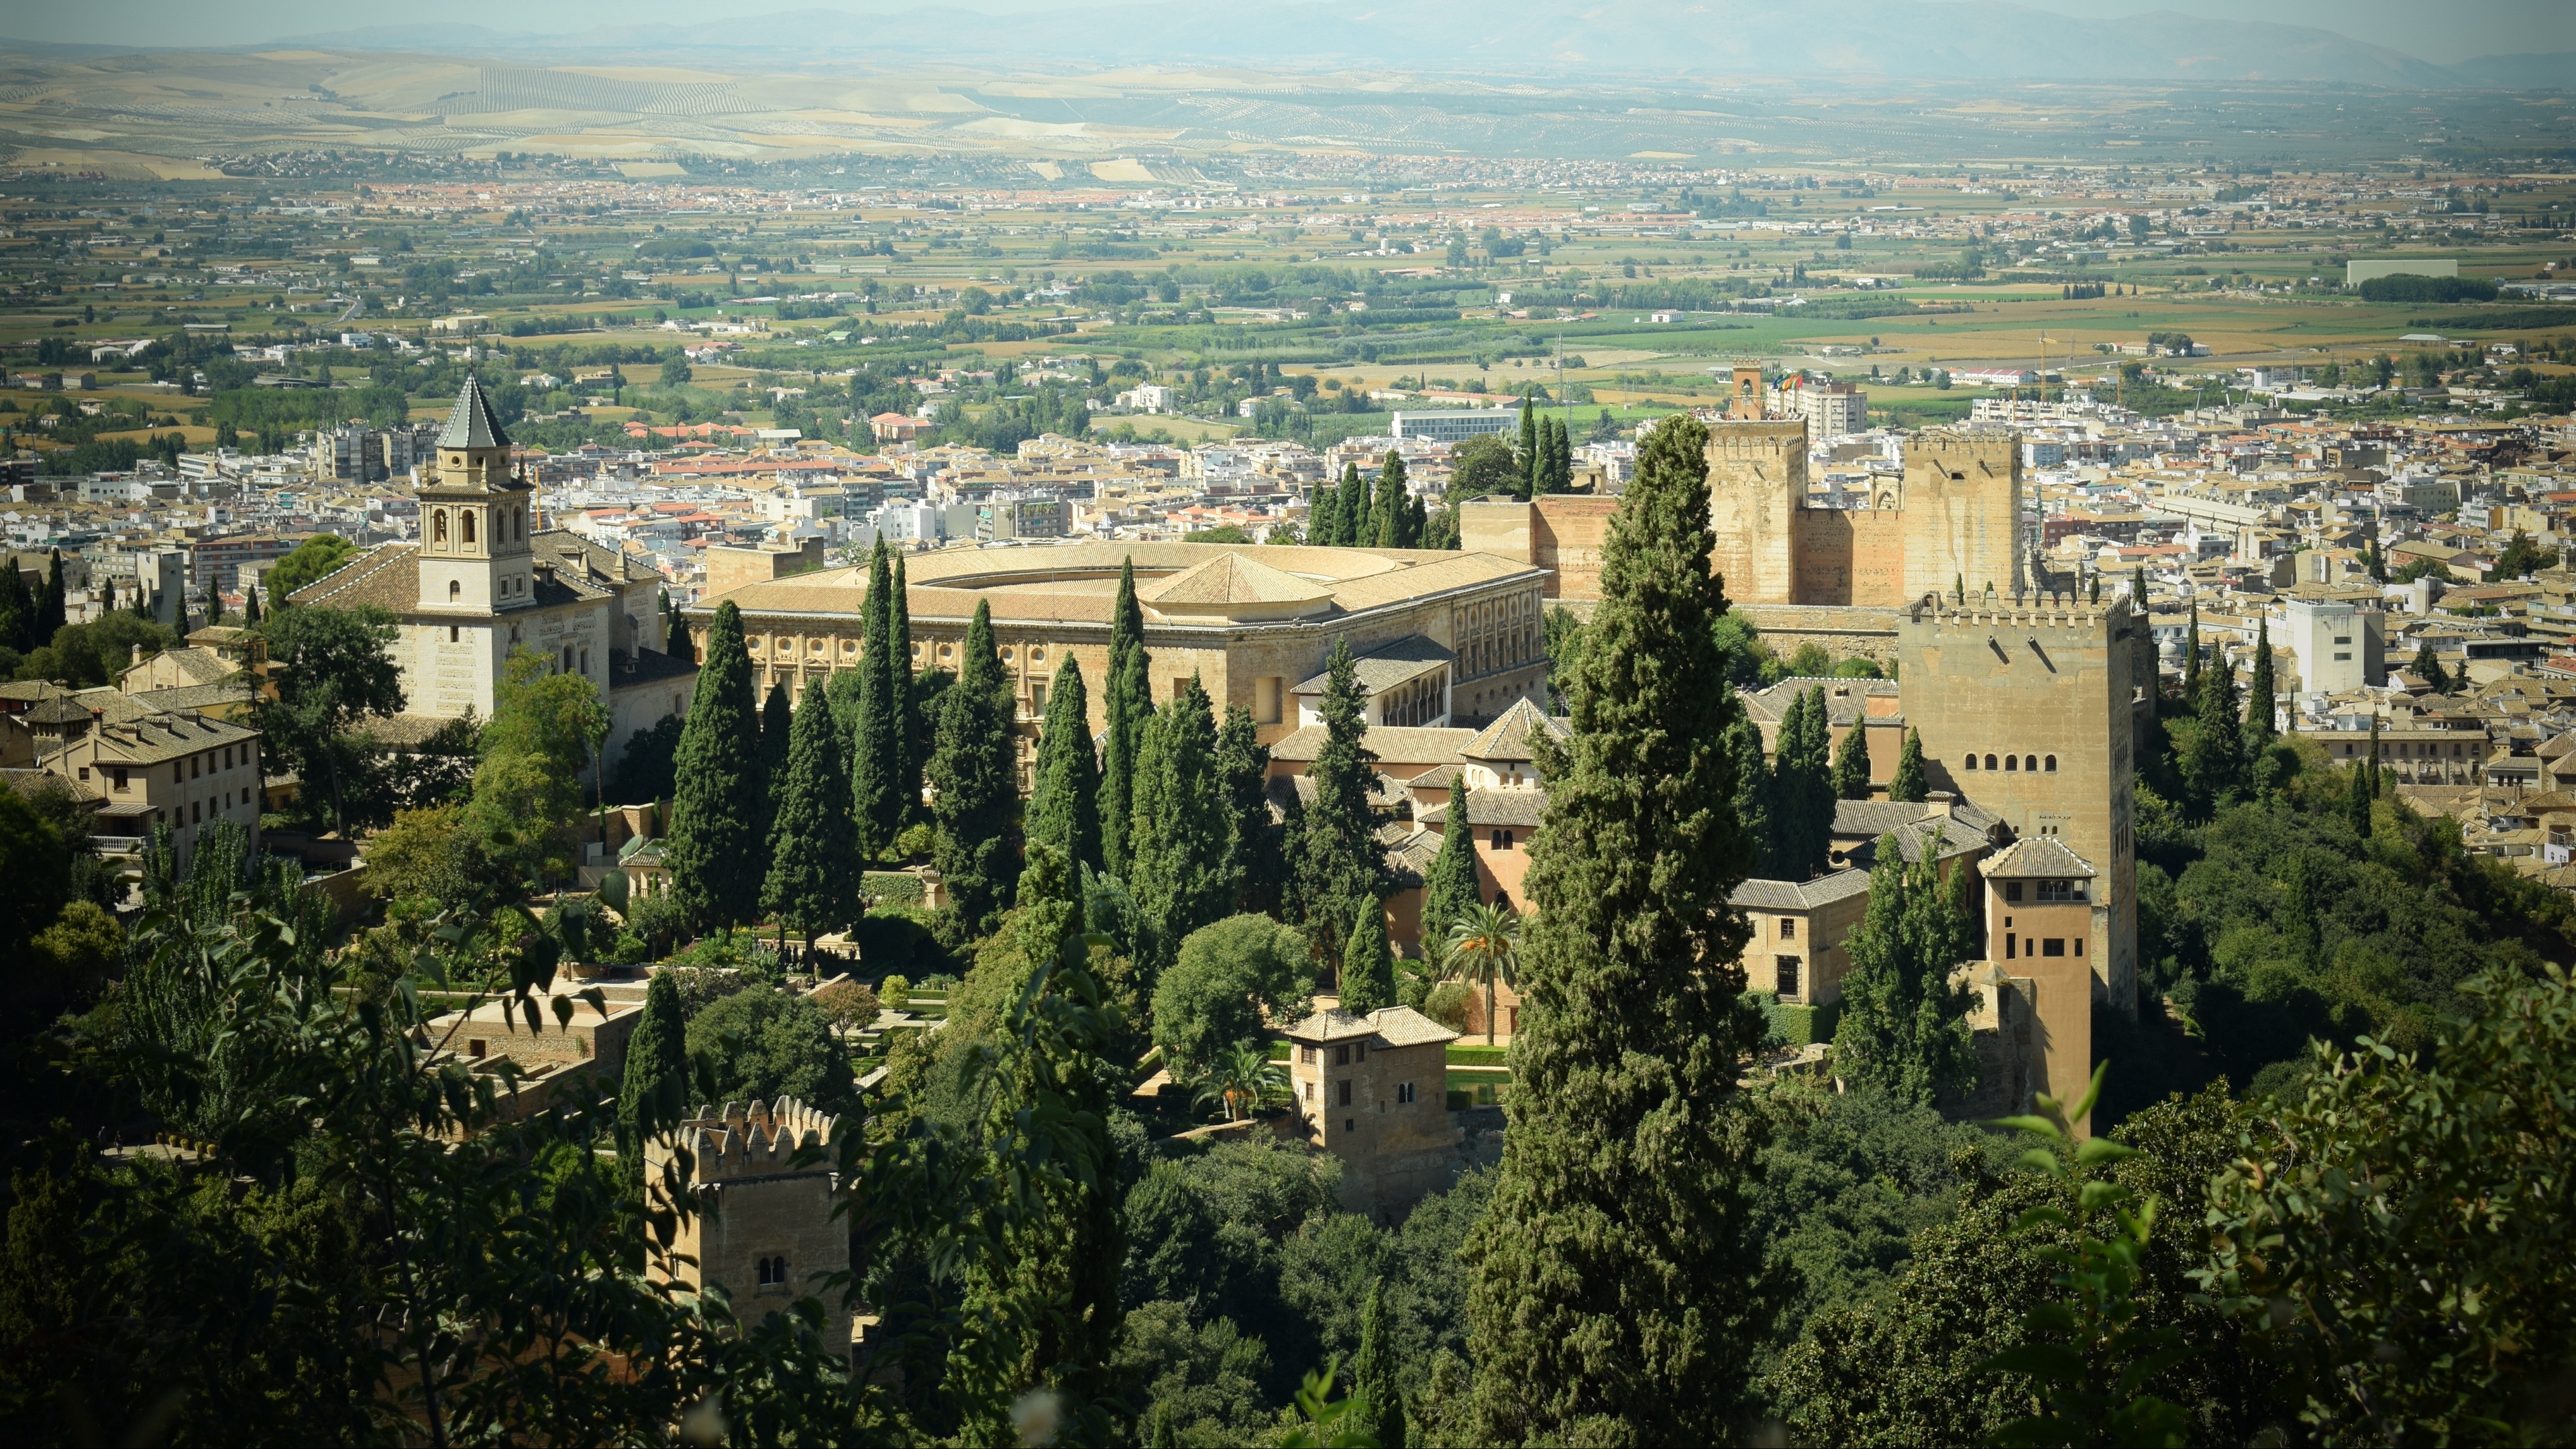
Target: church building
484, 581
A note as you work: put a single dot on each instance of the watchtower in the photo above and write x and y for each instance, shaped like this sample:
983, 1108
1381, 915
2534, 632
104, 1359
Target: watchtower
762, 1228
1963, 513
1757, 482
1746, 403
474, 516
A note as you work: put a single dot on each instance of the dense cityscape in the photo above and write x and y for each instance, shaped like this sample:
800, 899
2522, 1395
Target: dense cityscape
832, 753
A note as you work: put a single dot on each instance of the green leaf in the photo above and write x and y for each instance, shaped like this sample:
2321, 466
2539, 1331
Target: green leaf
2102, 1149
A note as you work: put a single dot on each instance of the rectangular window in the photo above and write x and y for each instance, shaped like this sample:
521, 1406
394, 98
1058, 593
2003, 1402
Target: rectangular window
1306, 1055
1784, 970
2079, 945
1346, 1092
2343, 658
1788, 928
2012, 947
1341, 1056
1359, 1051
2012, 890
1310, 1091
1266, 695
2053, 946
178, 772
119, 777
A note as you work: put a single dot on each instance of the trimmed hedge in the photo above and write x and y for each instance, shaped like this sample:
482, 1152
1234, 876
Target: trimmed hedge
892, 887
1799, 1025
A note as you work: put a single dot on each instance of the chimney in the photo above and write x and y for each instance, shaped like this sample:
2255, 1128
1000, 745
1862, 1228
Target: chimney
138, 654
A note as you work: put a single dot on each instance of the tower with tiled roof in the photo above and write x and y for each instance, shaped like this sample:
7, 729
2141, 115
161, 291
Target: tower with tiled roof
475, 514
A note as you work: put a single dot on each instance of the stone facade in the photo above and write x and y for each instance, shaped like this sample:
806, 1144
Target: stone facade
1371, 1090
763, 1228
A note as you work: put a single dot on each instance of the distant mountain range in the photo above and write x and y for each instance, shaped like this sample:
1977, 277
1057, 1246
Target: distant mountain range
1550, 40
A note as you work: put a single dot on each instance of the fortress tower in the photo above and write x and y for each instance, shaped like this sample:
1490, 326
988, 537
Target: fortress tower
1757, 482
1962, 511
2027, 710
1746, 404
763, 1228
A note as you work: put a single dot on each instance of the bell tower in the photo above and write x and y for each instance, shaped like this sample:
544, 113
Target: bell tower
474, 516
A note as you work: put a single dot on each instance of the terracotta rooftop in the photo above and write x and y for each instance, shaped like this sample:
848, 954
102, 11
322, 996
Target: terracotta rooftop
1395, 1026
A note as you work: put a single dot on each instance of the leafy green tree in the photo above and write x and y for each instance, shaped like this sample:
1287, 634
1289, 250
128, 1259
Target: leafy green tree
1351, 510
1802, 789
38, 862
334, 671
1243, 1081
715, 849
2213, 760
657, 1070
766, 1045
1533, 478
1324, 511
878, 746
1377, 1404
1368, 963
1904, 1028
306, 562
1908, 785
1342, 863
1484, 950
1130, 712
1255, 864
1752, 776
546, 727
2393, 1237
1614, 1294
1450, 887
2428, 668
1482, 467
1064, 808
1178, 834
1225, 979
813, 841
915, 691
648, 767
977, 781
777, 735
2261, 698
1851, 763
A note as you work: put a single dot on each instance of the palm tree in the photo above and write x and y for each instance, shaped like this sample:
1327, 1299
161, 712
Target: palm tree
1483, 948
1244, 1080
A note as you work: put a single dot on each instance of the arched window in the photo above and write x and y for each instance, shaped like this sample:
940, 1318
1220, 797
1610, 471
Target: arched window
1990, 762
518, 523
2052, 764
2030, 763
1972, 762
455, 591
438, 526
2012, 762
465, 527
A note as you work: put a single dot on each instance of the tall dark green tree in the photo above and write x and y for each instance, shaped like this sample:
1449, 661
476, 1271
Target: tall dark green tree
1130, 711
878, 748
813, 842
2428, 668
1616, 1292
2191, 655
1450, 886
50, 616
1392, 525
656, 1081
2213, 765
675, 629
1377, 1404
17, 610
1752, 802
1851, 763
1178, 833
1342, 862
1324, 511
1351, 510
2261, 696
777, 732
1802, 789
716, 851
910, 689
1533, 468
1064, 806
977, 784
1256, 866
1904, 1027
1908, 785
1368, 962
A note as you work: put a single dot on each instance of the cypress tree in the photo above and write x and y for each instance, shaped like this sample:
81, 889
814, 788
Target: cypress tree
908, 691
1802, 788
1176, 840
2191, 655
2428, 667
1559, 447
777, 730
1130, 709
2356, 798
1451, 886
1851, 763
1903, 1026
1368, 963
1387, 526
50, 617
675, 629
656, 1083
1908, 785
2260, 699
1417, 525
716, 843
17, 608
2214, 767
813, 843
1342, 862
1533, 479
1616, 1291
1377, 1405
1753, 794
977, 781
1255, 866
1323, 514
1064, 805
878, 748
250, 608
1351, 513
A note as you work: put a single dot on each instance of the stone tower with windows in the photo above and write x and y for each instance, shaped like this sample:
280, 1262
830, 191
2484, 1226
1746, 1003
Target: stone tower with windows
763, 1228
475, 514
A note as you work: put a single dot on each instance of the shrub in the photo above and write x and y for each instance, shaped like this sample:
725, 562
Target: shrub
895, 992
1447, 1004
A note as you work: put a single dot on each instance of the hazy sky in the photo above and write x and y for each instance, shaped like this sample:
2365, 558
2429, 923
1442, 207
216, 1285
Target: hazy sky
2434, 30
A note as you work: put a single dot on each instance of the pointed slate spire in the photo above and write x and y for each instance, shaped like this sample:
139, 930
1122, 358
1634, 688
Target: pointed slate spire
471, 423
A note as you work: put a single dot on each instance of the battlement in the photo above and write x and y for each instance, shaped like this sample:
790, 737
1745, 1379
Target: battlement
754, 1141
2057, 615
1729, 435
1953, 446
